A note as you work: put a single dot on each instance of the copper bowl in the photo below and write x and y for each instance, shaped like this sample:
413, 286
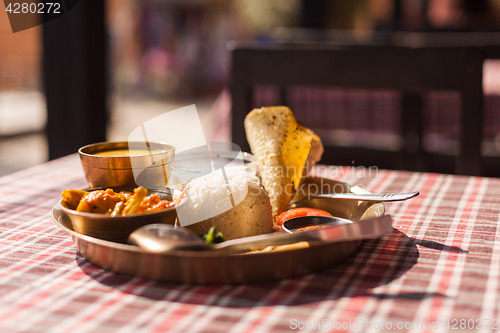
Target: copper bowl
118, 228
133, 163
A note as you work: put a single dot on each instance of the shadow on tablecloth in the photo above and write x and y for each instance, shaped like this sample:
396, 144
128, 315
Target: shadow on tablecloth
376, 263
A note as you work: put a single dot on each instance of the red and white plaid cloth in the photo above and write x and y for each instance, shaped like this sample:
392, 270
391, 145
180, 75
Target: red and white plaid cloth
439, 271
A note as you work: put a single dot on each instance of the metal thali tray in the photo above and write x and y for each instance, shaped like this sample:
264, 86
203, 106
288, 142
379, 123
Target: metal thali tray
208, 267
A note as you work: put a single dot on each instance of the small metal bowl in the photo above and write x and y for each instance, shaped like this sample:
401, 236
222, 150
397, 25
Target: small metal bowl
353, 210
118, 228
149, 165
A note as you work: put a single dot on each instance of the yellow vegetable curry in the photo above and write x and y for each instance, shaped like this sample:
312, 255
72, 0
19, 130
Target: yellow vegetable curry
115, 203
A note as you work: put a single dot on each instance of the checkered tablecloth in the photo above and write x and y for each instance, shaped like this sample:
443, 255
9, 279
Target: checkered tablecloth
439, 270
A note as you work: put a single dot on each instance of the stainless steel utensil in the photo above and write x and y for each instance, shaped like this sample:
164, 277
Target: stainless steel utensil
163, 238
378, 197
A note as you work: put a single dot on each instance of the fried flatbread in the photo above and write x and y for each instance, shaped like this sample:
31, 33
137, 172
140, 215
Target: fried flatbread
285, 150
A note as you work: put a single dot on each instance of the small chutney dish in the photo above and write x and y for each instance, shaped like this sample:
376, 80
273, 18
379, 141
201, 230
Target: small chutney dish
106, 164
118, 228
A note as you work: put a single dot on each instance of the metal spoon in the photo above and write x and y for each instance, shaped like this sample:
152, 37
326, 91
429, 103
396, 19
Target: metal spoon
379, 197
164, 238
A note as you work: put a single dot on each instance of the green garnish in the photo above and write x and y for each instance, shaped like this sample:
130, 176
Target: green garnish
213, 236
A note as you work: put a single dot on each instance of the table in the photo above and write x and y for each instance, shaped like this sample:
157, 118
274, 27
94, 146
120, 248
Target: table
439, 269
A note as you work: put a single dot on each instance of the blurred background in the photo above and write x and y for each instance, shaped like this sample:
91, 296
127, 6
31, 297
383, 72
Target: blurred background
161, 55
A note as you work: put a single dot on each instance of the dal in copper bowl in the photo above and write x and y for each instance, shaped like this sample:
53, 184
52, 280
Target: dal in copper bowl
127, 163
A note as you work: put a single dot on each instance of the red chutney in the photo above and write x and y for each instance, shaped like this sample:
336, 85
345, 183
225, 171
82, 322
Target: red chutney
296, 212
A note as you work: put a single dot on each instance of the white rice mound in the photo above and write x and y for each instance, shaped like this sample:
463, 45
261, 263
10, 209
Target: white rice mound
209, 201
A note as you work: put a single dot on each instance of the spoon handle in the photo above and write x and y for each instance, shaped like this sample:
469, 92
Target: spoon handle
363, 229
369, 196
